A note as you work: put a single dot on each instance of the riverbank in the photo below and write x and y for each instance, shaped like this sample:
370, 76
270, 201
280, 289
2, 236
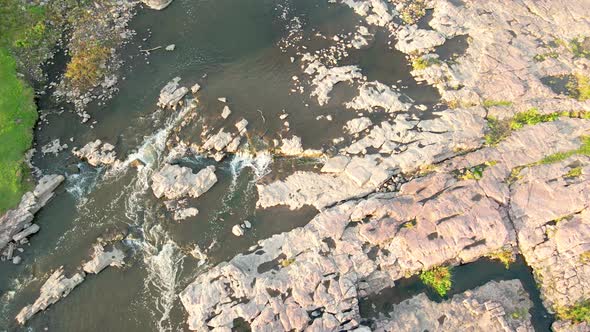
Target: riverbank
18, 115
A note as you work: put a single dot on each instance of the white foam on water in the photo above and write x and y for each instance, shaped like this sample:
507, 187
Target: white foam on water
259, 164
164, 263
81, 184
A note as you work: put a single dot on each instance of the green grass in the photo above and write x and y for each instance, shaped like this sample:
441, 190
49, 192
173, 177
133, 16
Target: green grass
577, 313
531, 117
438, 278
492, 103
17, 117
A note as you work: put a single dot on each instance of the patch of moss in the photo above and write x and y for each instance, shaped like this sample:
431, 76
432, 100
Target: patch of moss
438, 278
491, 103
577, 313
505, 255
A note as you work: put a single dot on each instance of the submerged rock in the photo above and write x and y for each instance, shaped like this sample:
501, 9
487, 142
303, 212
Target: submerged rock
174, 181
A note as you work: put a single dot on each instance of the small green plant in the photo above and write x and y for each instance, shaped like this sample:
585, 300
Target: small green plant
410, 224
438, 278
531, 117
413, 11
519, 313
580, 47
542, 57
287, 261
473, 173
577, 313
579, 87
574, 172
422, 63
505, 255
491, 103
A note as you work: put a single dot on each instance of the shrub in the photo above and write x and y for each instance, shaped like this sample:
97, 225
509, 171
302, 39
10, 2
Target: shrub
577, 313
422, 63
87, 65
497, 131
438, 278
506, 256
579, 87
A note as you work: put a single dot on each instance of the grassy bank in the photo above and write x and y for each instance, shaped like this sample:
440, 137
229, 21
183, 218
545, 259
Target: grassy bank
17, 117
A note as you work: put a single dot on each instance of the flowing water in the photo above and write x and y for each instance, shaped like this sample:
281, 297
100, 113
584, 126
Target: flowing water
232, 49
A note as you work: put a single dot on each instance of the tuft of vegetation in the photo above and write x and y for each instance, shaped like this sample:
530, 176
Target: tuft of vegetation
491, 103
519, 313
579, 87
413, 11
543, 56
471, 173
585, 257
86, 68
288, 261
410, 224
531, 117
577, 313
505, 255
583, 150
498, 131
17, 117
574, 172
438, 278
580, 47
422, 63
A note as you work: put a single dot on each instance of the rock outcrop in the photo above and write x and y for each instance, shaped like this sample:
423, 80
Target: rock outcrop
54, 289
174, 181
20, 219
97, 153
495, 306
58, 286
